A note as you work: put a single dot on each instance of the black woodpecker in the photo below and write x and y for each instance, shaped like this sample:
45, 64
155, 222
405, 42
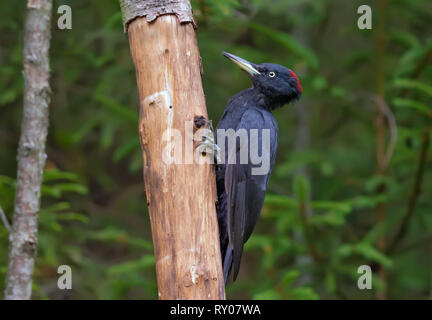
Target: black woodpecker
241, 192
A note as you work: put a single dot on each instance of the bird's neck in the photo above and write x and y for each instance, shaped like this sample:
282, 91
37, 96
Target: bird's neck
264, 101
259, 99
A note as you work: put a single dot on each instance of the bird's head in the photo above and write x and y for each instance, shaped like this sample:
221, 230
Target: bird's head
279, 85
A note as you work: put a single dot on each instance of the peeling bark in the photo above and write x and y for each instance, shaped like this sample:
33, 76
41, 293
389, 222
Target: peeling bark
181, 197
151, 9
31, 150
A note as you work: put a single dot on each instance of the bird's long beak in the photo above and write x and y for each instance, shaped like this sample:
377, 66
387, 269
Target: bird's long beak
242, 63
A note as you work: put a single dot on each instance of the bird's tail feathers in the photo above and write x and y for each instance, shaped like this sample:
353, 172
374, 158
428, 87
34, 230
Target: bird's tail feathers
227, 262
236, 262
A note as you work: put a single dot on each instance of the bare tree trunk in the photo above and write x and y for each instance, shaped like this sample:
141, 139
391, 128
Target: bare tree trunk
181, 197
31, 150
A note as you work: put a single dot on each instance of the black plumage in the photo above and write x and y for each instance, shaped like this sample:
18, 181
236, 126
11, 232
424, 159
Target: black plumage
240, 192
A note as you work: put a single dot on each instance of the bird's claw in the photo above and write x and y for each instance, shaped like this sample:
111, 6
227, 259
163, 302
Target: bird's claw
207, 146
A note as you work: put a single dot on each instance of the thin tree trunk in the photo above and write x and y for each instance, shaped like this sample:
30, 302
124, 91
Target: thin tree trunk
301, 134
181, 197
302, 144
31, 150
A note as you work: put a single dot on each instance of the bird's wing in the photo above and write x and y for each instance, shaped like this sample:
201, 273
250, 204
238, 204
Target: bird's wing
245, 191
235, 185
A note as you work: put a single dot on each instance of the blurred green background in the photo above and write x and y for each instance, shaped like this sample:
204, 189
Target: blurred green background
353, 169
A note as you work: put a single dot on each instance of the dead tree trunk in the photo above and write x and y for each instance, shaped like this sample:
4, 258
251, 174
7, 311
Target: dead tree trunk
31, 150
181, 197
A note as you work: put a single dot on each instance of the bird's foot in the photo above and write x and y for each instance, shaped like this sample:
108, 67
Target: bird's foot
207, 146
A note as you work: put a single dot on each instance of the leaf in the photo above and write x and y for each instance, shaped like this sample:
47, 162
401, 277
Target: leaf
267, 295
374, 182
280, 201
83, 130
303, 293
73, 216
368, 251
413, 84
362, 202
330, 281
258, 241
289, 43
8, 97
72, 187
319, 83
333, 218
345, 250
405, 38
301, 188
297, 161
411, 104
338, 92
56, 226
409, 60
6, 180
116, 107
55, 174
333, 205
59, 206
289, 277
136, 163
376, 231
107, 135
113, 21
132, 266
117, 235
327, 168
51, 191
126, 149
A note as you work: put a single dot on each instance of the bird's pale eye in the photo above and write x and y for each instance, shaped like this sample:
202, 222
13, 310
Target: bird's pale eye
271, 74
